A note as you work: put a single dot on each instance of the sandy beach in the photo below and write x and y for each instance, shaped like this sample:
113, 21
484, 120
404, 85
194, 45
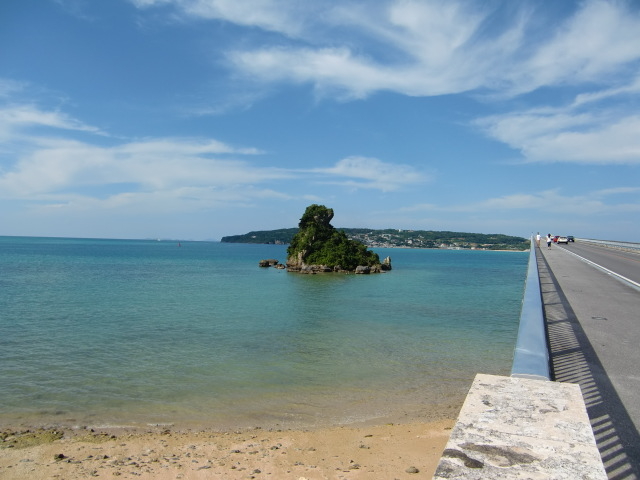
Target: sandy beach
389, 451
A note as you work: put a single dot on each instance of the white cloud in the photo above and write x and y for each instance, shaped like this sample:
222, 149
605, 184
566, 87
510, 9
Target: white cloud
330, 69
632, 89
351, 50
435, 31
166, 201
599, 40
435, 48
176, 146
47, 164
147, 175
59, 165
557, 136
273, 15
8, 87
150, 3
372, 173
618, 142
425, 48
586, 205
616, 191
18, 117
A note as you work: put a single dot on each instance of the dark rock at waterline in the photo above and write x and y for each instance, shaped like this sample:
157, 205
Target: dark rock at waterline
270, 262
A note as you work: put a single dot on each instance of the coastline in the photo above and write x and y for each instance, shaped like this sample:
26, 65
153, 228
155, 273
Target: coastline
163, 349
354, 451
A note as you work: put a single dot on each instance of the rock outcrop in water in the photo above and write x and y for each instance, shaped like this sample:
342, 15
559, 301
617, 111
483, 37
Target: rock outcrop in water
269, 262
318, 247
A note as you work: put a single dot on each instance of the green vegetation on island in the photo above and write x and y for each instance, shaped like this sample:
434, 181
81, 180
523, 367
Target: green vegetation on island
282, 236
317, 242
393, 238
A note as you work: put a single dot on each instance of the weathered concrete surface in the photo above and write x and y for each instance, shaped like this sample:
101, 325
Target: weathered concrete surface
522, 429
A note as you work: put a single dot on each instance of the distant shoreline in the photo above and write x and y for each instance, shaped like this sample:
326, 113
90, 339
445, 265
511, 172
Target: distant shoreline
396, 238
176, 241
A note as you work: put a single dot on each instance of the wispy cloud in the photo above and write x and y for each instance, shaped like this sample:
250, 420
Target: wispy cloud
565, 135
273, 15
166, 201
58, 165
589, 204
616, 191
9, 87
630, 90
49, 166
57, 171
371, 173
19, 117
601, 39
414, 48
426, 47
555, 82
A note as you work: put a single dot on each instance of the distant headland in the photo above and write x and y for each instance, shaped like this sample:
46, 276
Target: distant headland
394, 238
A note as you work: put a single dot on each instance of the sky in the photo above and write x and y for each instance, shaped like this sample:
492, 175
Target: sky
196, 119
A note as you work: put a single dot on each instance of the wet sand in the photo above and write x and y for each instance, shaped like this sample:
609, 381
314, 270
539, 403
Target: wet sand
388, 451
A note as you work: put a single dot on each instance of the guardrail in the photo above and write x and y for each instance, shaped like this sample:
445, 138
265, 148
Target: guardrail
531, 355
612, 243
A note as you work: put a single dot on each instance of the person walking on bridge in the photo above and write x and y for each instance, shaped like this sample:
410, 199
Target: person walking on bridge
549, 240
538, 239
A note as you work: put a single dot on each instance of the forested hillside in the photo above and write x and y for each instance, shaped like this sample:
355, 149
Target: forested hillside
397, 238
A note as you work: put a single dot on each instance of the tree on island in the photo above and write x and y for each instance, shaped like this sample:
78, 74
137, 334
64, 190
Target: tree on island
318, 243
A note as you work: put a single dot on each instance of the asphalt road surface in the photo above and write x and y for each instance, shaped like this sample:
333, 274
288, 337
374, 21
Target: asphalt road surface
593, 322
623, 262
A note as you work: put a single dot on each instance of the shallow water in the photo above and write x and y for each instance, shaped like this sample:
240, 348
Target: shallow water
135, 332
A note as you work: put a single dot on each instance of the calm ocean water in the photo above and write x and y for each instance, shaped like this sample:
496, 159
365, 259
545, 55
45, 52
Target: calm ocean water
124, 332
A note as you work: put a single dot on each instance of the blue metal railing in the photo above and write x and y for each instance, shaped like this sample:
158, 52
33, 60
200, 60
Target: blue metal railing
531, 355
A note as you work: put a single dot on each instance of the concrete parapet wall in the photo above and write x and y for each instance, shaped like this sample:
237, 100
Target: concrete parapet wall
518, 428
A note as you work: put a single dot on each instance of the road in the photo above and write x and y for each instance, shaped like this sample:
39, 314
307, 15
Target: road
623, 262
593, 322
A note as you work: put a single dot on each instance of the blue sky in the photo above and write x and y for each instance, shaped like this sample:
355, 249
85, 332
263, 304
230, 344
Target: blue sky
195, 119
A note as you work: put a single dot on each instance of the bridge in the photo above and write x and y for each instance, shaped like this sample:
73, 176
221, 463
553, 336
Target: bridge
591, 297
571, 408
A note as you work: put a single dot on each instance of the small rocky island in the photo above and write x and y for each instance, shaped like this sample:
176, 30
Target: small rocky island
318, 247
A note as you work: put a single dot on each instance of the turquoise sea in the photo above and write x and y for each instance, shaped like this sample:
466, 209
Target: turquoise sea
134, 332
